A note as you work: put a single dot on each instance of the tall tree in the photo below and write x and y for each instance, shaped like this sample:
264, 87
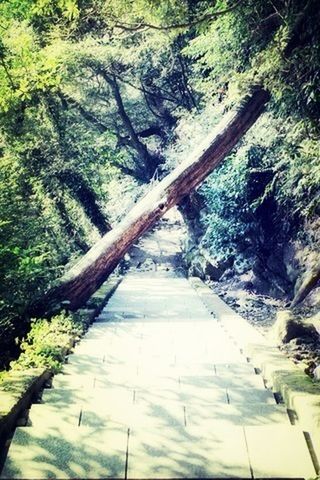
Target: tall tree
87, 275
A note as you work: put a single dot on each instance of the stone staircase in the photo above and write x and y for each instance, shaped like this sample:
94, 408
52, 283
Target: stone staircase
158, 390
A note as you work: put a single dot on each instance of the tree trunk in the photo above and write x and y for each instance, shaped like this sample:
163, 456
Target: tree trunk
148, 163
89, 273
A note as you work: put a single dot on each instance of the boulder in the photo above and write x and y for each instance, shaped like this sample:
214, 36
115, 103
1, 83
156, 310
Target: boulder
202, 268
197, 267
228, 274
213, 270
242, 264
215, 267
316, 373
287, 328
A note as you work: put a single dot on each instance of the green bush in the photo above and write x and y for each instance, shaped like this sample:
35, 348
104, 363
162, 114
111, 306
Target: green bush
48, 342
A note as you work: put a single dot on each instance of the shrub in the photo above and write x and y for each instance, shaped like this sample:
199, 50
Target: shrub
48, 342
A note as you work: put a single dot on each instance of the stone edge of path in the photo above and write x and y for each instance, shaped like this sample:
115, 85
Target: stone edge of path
20, 388
299, 392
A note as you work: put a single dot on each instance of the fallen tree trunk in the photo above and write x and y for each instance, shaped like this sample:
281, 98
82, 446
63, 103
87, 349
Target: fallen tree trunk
88, 274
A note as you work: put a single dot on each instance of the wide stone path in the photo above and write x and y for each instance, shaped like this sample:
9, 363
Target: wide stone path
157, 390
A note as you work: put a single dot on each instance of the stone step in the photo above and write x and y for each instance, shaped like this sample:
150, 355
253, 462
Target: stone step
142, 414
110, 376
158, 389
227, 381
244, 395
96, 355
95, 411
211, 357
178, 452
204, 396
104, 370
276, 451
47, 414
101, 396
185, 395
65, 452
245, 414
198, 381
85, 358
234, 369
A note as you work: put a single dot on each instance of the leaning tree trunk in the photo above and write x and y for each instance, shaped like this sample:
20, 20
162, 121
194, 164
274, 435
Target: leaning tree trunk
88, 274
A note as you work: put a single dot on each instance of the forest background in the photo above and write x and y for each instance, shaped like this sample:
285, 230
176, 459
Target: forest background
101, 99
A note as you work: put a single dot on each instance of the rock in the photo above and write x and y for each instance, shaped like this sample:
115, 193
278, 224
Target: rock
196, 268
316, 373
228, 274
298, 356
296, 342
315, 320
242, 264
309, 340
212, 266
267, 282
201, 267
287, 328
310, 368
213, 271
306, 283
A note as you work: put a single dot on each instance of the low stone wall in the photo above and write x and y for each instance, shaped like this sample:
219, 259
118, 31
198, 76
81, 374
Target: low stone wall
16, 394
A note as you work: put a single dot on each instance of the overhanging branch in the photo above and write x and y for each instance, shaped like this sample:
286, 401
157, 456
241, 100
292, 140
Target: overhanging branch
205, 18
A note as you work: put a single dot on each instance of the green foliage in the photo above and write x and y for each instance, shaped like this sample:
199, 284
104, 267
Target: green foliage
225, 193
227, 46
27, 68
298, 179
40, 12
47, 343
67, 152
265, 195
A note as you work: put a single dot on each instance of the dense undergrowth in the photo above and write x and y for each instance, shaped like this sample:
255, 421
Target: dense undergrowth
47, 344
98, 98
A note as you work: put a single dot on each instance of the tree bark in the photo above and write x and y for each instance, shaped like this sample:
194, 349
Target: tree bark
148, 163
90, 272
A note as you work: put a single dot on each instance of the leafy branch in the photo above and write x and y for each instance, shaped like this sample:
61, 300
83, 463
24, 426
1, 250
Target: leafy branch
204, 18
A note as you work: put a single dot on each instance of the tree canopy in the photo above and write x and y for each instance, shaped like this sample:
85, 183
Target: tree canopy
99, 99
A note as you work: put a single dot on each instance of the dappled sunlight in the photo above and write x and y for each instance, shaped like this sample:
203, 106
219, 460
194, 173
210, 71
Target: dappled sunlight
159, 239
156, 389
62, 452
194, 453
